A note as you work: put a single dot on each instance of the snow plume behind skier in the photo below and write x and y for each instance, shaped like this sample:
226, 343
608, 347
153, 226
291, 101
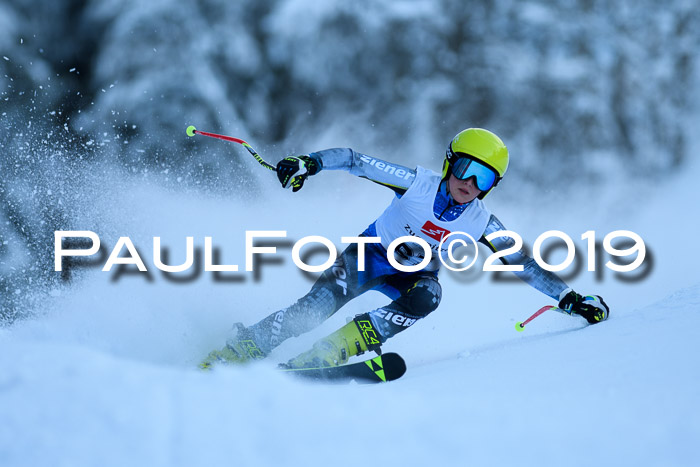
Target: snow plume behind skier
427, 205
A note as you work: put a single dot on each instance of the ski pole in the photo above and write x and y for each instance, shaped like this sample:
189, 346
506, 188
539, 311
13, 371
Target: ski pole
191, 131
520, 326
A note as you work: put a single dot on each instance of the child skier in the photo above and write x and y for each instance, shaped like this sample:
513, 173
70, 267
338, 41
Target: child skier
427, 205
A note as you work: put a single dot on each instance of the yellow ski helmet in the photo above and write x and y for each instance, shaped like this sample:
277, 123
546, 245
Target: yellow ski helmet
477, 153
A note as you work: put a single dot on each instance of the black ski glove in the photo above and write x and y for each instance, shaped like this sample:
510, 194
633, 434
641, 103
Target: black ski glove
591, 307
293, 171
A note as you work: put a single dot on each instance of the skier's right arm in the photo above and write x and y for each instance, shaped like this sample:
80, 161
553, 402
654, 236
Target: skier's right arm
296, 169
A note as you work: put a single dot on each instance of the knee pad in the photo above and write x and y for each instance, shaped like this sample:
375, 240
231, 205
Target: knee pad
421, 298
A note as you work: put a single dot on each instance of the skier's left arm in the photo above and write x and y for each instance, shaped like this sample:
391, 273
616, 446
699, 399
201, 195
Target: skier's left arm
591, 307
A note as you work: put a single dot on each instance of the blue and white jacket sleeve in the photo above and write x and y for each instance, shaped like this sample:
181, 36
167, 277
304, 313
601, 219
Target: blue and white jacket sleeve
545, 281
394, 176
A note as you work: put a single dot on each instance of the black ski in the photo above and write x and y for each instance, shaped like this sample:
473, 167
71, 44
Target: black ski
386, 367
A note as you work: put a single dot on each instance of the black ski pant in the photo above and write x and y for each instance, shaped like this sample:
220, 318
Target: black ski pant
414, 296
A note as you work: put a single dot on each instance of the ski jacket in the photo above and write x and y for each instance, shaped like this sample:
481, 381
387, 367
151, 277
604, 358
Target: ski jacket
417, 188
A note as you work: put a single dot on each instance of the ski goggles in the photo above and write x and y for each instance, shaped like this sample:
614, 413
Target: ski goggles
485, 177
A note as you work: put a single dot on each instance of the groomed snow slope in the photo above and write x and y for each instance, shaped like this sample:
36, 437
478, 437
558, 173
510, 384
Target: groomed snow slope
105, 374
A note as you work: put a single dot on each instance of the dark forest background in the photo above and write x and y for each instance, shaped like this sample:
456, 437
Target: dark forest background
579, 90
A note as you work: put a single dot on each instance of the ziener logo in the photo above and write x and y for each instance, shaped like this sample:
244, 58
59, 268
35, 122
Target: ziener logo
388, 168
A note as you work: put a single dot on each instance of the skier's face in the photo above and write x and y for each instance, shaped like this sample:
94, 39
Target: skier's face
463, 191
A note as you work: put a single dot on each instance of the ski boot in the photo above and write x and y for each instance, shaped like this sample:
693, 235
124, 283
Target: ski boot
355, 338
240, 349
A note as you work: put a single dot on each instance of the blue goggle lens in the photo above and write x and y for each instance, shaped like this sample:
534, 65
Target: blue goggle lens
465, 168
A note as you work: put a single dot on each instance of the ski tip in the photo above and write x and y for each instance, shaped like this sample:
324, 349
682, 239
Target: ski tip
394, 366
519, 326
190, 130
